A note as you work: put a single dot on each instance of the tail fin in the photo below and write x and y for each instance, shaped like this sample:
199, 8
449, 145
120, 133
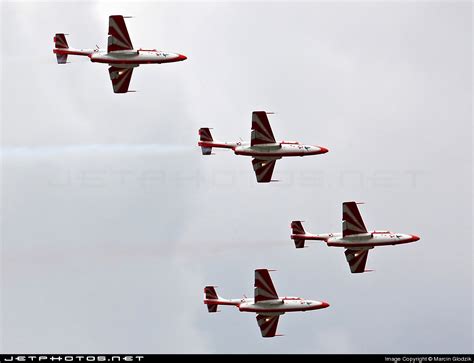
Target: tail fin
60, 42
297, 228
205, 136
211, 294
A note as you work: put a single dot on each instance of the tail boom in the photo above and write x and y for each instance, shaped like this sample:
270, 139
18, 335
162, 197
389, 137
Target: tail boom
72, 51
213, 300
206, 142
62, 50
299, 235
222, 145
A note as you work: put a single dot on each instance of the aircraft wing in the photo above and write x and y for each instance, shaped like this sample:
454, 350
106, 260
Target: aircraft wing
261, 130
120, 78
268, 324
352, 222
263, 169
264, 289
118, 35
356, 259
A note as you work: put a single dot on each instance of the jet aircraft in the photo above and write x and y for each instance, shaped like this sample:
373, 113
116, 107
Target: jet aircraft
263, 147
354, 237
266, 303
120, 54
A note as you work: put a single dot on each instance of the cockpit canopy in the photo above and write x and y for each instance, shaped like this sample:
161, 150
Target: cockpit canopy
292, 298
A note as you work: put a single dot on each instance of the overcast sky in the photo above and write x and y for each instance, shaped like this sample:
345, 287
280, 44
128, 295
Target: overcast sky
112, 221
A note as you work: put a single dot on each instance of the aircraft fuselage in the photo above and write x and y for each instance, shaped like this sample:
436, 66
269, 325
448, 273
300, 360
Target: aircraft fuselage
274, 151
369, 240
278, 306
132, 57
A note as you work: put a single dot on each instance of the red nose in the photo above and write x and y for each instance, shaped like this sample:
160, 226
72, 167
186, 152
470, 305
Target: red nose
182, 57
323, 150
414, 238
324, 304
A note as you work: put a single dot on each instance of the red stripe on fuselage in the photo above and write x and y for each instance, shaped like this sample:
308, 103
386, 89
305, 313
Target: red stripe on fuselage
137, 61
213, 144
314, 307
310, 237
276, 154
220, 302
368, 244
66, 51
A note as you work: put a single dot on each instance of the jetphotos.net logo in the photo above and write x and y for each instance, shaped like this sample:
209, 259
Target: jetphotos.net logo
70, 358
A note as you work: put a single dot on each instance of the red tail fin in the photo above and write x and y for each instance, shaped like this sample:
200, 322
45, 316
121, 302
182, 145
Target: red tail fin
297, 228
205, 136
60, 41
211, 294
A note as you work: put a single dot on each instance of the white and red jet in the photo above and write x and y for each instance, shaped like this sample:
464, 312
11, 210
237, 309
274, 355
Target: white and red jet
266, 303
354, 237
120, 54
262, 147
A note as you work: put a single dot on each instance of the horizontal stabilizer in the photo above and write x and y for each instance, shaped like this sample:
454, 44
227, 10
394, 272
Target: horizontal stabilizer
212, 308
206, 150
299, 243
62, 58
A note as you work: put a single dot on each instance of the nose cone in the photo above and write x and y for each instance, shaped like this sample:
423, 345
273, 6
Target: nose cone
181, 57
324, 304
414, 238
322, 150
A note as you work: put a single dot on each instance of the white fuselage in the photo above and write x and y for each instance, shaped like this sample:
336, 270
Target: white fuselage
281, 306
125, 57
135, 57
273, 151
369, 240
277, 306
